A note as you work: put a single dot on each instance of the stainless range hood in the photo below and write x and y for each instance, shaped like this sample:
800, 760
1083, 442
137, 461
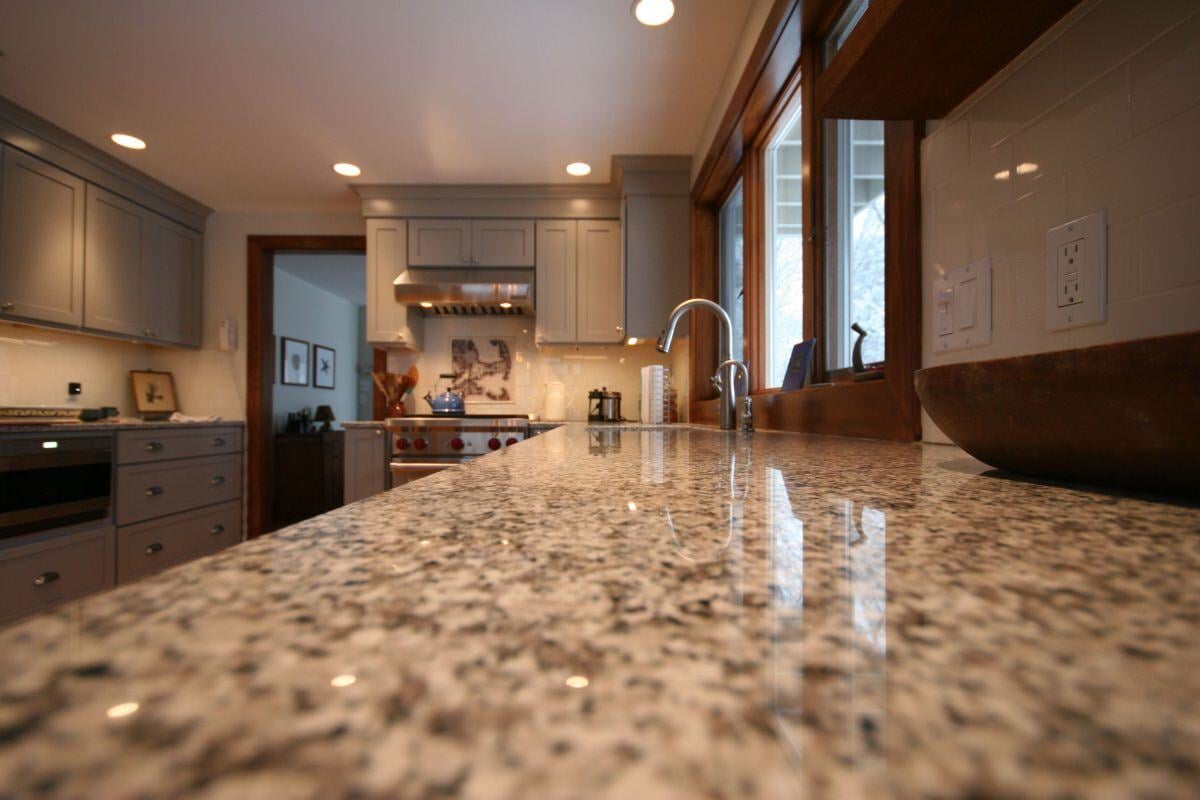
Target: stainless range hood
447, 291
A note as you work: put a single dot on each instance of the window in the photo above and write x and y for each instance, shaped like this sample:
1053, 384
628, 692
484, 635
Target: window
733, 273
841, 30
854, 242
785, 246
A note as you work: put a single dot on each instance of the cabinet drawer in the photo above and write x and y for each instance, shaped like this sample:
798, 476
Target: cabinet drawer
153, 546
147, 491
136, 447
37, 576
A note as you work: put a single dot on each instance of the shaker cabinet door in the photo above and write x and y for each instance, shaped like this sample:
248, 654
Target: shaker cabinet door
502, 243
601, 284
114, 258
439, 243
365, 463
556, 277
173, 282
41, 241
389, 324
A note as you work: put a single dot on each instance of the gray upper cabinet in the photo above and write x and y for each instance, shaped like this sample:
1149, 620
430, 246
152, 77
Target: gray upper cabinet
41, 241
657, 248
600, 288
478, 243
439, 242
389, 324
173, 282
142, 272
114, 258
502, 243
556, 275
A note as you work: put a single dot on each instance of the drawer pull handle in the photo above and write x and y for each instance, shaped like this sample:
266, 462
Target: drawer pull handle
153, 548
217, 480
154, 491
216, 529
153, 447
6, 306
45, 577
218, 442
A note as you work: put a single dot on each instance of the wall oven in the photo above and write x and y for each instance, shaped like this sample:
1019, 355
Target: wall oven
52, 480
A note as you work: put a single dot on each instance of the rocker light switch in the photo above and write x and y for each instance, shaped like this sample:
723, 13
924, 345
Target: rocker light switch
944, 325
962, 303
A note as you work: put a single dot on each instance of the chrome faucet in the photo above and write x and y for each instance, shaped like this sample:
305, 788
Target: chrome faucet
744, 407
725, 380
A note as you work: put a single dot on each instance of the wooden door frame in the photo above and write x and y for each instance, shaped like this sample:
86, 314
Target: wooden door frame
260, 359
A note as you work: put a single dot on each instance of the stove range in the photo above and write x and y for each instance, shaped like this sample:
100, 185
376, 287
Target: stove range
425, 445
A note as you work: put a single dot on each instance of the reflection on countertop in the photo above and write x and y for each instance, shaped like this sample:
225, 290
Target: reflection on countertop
660, 612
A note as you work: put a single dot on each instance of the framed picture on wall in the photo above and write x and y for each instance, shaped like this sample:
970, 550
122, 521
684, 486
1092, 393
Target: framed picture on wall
154, 392
293, 370
324, 359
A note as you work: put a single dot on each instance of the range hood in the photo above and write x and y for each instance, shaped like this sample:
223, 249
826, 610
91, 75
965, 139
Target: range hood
449, 291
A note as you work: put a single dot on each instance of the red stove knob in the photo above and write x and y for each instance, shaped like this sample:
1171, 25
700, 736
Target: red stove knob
494, 443
511, 441
420, 443
456, 443
401, 443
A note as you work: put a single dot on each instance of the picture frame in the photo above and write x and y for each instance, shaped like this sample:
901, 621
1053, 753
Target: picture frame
154, 392
324, 367
293, 362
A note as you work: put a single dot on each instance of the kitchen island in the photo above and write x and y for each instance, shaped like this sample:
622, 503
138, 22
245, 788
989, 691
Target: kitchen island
640, 613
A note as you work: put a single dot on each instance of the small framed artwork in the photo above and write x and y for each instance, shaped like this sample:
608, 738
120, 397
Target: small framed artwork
323, 364
799, 365
294, 362
154, 392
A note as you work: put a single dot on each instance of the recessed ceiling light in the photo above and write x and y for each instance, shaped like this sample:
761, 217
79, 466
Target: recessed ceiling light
506, 305
127, 140
347, 169
653, 12
426, 304
578, 169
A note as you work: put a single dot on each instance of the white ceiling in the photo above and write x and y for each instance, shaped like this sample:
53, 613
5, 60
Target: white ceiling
246, 103
340, 274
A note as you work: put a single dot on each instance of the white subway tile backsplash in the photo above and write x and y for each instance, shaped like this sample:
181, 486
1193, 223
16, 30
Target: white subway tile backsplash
1107, 106
1170, 247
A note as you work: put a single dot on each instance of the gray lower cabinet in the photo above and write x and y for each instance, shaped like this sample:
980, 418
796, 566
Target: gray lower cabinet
40, 574
41, 241
366, 463
136, 447
148, 547
158, 489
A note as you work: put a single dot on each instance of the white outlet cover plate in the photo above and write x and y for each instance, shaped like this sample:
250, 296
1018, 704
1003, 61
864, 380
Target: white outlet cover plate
972, 327
1093, 272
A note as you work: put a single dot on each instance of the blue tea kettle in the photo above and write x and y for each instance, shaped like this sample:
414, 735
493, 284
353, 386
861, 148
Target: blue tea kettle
449, 403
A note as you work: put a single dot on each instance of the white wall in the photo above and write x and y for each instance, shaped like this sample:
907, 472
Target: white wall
580, 368
756, 17
307, 312
1107, 105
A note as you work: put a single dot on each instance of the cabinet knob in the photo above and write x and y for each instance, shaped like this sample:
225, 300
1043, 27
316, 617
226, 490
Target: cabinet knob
619, 329
153, 548
46, 577
216, 529
146, 332
218, 442
378, 433
399, 336
154, 490
217, 480
6, 306
153, 447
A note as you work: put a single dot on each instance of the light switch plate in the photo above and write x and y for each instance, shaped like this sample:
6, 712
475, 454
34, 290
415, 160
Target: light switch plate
1077, 273
962, 307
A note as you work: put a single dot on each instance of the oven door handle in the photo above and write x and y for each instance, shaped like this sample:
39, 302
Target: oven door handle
422, 466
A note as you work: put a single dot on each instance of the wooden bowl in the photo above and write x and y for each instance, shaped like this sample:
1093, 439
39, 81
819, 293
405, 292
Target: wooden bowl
1124, 415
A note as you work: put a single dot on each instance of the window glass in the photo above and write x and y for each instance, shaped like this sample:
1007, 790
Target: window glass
732, 267
785, 247
855, 240
841, 31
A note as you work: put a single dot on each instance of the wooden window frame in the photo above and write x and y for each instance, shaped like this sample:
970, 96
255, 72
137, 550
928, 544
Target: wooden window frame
782, 63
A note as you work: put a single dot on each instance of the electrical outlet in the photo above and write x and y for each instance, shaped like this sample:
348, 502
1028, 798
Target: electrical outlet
962, 303
1076, 272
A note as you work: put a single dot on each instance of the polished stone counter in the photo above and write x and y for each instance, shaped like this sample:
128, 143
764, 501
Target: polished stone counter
623, 613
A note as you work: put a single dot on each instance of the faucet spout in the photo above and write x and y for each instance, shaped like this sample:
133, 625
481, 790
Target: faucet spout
725, 385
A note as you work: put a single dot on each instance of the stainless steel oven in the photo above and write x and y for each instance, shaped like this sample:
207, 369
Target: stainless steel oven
423, 446
51, 480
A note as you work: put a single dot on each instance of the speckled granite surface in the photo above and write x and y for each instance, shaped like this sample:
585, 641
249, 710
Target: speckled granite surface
776, 616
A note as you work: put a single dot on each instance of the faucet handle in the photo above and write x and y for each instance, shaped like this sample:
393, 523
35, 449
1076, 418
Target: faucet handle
747, 413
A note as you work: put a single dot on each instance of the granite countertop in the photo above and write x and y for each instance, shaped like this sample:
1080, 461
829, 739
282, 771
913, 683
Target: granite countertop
112, 425
659, 613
